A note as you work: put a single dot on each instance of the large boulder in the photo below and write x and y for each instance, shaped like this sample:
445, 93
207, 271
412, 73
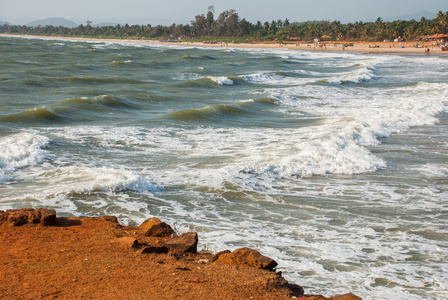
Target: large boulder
156, 228
247, 257
18, 217
348, 296
164, 239
160, 230
185, 243
148, 223
217, 255
296, 290
47, 217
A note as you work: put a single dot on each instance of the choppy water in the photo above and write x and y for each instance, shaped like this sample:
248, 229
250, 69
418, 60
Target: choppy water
334, 164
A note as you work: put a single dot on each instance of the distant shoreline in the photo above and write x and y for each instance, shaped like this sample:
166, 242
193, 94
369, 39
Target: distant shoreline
363, 47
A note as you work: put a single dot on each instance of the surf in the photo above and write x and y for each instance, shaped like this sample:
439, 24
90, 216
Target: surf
69, 110
21, 150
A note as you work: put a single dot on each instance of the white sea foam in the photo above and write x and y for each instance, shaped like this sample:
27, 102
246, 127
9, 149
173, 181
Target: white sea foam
186, 76
87, 180
268, 78
262, 77
434, 170
222, 80
19, 151
336, 146
359, 75
327, 256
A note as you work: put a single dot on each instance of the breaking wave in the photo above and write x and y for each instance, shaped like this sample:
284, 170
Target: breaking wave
21, 150
68, 110
89, 180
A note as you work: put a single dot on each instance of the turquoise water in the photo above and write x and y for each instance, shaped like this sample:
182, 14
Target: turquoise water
334, 164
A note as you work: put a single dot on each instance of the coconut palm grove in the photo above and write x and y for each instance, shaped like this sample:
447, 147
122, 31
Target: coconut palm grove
229, 26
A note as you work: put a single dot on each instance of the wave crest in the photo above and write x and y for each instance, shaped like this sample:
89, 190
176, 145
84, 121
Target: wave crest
90, 180
68, 109
214, 112
32, 115
21, 150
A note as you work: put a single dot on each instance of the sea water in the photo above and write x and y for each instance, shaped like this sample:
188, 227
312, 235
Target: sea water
335, 164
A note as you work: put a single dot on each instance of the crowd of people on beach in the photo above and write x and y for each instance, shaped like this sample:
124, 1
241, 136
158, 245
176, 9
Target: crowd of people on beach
444, 47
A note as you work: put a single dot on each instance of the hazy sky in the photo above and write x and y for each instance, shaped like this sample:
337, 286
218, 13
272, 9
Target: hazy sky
182, 11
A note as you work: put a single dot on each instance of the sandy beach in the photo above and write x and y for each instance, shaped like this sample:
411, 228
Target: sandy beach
364, 47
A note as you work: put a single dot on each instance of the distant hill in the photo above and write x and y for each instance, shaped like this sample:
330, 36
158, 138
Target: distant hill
53, 22
426, 14
4, 22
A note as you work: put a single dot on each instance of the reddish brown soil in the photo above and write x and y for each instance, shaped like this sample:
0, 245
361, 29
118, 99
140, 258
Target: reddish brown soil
91, 258
81, 258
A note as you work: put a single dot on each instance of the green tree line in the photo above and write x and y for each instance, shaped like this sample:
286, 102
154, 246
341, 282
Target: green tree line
228, 24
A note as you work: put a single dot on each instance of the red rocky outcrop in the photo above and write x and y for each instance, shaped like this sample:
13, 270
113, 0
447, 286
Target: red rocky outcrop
247, 257
153, 237
217, 255
348, 296
147, 224
159, 237
185, 243
18, 217
160, 230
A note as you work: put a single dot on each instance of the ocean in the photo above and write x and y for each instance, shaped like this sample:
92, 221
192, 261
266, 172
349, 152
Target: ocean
335, 164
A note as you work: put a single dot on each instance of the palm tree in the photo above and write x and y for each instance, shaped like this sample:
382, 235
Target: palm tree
273, 26
442, 20
266, 25
279, 23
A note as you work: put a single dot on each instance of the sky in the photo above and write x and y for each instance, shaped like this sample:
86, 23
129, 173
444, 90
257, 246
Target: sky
166, 12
